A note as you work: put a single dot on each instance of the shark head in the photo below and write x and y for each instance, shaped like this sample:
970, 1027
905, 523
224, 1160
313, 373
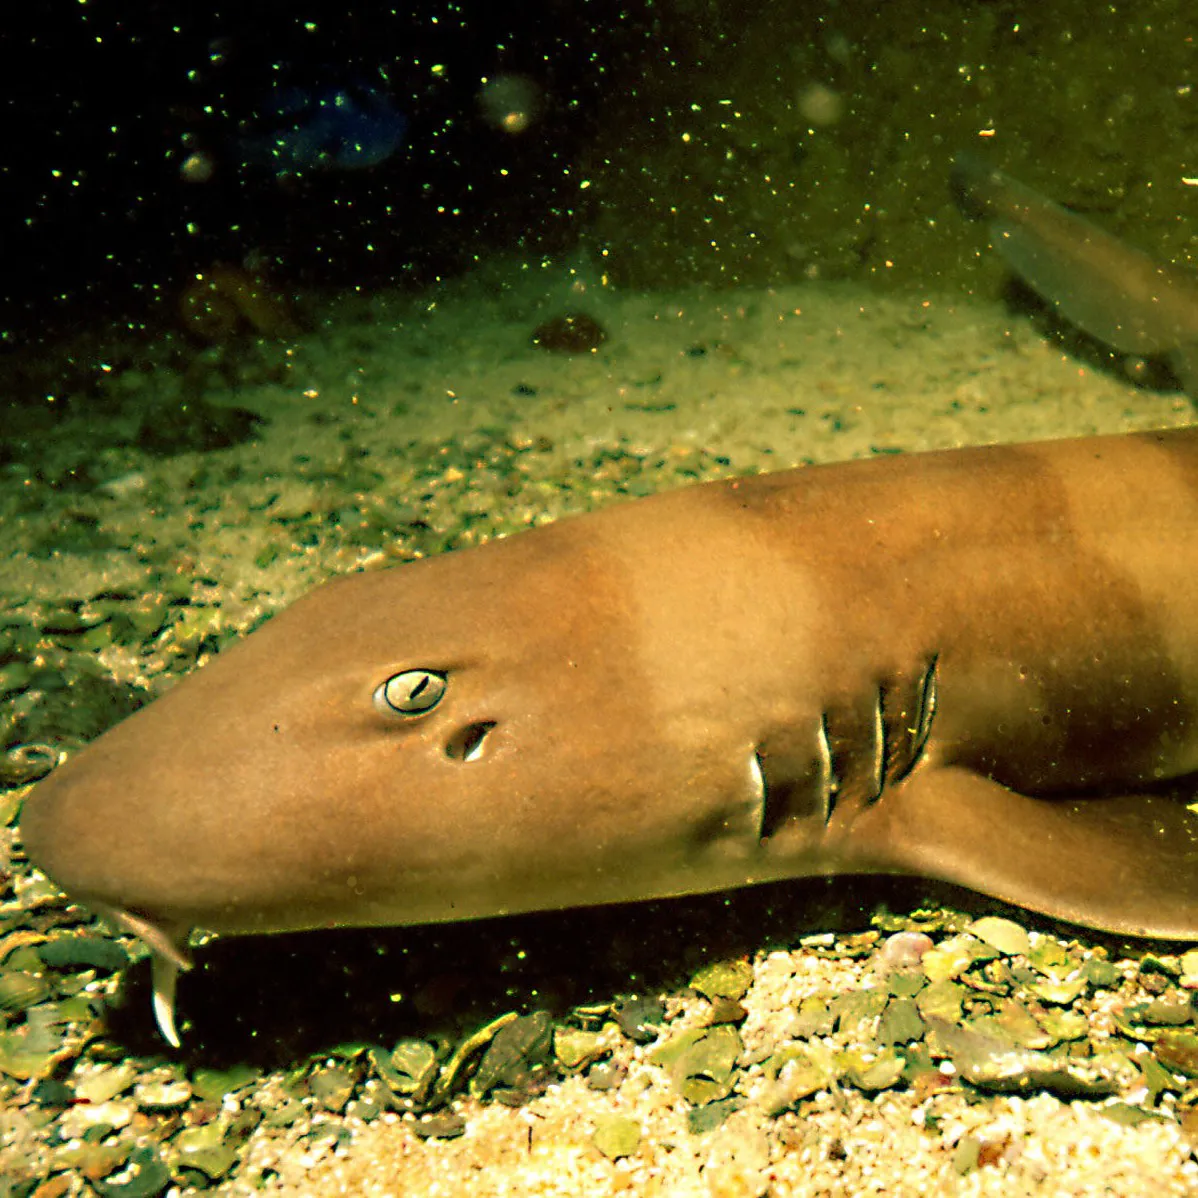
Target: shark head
571, 716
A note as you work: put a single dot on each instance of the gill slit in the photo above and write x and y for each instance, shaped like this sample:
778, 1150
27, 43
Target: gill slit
828, 785
922, 730
879, 748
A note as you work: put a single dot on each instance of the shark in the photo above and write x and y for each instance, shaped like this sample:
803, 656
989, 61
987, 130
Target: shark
977, 665
1111, 290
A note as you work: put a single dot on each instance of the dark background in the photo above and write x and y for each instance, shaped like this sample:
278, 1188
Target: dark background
103, 101
690, 122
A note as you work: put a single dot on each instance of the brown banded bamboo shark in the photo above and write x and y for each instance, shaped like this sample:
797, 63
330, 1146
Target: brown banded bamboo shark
1107, 288
978, 665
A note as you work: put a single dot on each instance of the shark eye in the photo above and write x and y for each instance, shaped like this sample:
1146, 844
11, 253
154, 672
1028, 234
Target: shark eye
413, 692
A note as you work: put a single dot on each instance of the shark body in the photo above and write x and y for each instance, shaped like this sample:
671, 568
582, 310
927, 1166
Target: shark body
1109, 289
979, 665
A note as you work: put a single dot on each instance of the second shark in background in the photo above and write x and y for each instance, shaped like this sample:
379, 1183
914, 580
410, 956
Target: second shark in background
1110, 290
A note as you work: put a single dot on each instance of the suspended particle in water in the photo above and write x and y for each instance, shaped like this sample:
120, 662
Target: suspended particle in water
510, 103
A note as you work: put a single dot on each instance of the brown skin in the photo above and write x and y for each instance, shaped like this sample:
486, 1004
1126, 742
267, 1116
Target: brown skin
632, 661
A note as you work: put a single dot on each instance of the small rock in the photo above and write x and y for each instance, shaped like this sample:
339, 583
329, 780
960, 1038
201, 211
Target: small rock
575, 1049
517, 1048
606, 1075
205, 1149
943, 998
900, 1022
1100, 973
727, 1010
903, 950
110, 1115
1189, 969
872, 1071
616, 1136
702, 1119
857, 1011
1062, 993
815, 1018
724, 979
701, 1061
84, 952
443, 1126
145, 1176
1164, 1012
105, 1084
331, 1086
1003, 934
284, 1114
799, 1071
409, 1070
966, 1153
1178, 1050
1048, 955
166, 1094
20, 990
639, 1018
214, 1085
993, 1064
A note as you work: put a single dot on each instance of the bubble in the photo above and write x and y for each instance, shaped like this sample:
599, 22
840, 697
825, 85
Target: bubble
197, 168
820, 105
510, 102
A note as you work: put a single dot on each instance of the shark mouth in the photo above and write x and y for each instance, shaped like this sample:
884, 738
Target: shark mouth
167, 960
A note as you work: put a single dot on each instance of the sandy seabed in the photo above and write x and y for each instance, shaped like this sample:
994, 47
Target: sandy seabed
763, 379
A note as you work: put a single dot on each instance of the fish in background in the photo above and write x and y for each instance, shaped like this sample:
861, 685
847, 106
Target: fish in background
344, 127
1107, 288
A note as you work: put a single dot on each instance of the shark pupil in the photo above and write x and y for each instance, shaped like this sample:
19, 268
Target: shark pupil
412, 692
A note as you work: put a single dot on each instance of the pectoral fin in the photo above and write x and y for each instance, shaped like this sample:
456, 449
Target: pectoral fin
1123, 863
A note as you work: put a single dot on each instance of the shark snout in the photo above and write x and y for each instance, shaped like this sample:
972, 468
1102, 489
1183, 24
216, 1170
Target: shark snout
88, 830
63, 837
